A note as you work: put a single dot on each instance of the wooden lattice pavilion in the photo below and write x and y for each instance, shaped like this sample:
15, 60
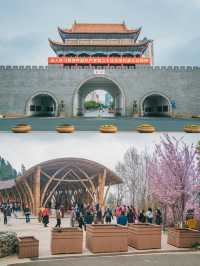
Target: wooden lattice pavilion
64, 181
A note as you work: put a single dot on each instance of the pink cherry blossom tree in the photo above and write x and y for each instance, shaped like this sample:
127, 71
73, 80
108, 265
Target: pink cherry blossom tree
173, 173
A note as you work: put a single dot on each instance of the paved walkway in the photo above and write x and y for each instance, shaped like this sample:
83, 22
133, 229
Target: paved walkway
92, 124
36, 229
186, 259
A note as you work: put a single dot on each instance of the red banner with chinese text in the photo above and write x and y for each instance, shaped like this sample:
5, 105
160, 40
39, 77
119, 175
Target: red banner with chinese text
99, 60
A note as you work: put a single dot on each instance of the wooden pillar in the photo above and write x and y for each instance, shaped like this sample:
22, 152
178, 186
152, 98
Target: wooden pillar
36, 190
101, 187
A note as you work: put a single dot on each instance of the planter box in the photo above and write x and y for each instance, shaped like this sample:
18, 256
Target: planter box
28, 247
144, 236
66, 240
183, 238
106, 238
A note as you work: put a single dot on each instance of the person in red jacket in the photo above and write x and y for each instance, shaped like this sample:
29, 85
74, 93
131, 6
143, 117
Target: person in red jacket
45, 216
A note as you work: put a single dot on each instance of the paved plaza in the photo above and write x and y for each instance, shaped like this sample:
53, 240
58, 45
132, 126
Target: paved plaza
178, 259
92, 124
34, 228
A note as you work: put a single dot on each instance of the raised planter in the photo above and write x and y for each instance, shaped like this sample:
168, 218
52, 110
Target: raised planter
21, 128
192, 128
108, 129
183, 238
65, 128
145, 128
144, 236
196, 116
28, 247
102, 238
66, 240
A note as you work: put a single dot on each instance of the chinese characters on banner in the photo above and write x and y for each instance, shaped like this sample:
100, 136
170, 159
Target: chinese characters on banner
99, 60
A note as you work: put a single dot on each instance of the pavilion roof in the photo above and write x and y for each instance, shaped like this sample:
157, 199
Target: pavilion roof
99, 28
91, 168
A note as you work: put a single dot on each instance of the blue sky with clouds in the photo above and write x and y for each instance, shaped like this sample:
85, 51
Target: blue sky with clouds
26, 25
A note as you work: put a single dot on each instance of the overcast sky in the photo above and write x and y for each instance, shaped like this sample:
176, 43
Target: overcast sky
26, 25
108, 149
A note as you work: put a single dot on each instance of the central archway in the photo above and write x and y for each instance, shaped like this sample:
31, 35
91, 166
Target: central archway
99, 83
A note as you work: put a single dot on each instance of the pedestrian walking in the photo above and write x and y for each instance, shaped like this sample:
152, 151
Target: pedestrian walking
58, 217
27, 214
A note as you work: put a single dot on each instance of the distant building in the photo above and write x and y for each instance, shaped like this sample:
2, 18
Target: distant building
108, 99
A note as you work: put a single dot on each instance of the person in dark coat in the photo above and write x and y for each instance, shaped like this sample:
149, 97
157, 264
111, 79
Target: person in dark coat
130, 216
158, 217
5, 215
88, 219
142, 218
108, 216
27, 214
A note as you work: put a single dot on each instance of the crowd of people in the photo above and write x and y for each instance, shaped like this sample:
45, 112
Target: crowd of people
121, 215
81, 215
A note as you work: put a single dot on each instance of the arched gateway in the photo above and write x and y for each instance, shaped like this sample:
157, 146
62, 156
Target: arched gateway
99, 83
60, 181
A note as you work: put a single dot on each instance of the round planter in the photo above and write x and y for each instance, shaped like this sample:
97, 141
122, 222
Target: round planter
21, 128
108, 129
196, 116
145, 128
65, 128
192, 128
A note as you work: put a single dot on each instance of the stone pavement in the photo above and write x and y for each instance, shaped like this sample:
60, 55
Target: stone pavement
172, 259
36, 229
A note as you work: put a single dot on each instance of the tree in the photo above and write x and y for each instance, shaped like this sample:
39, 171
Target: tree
133, 171
91, 105
173, 174
6, 170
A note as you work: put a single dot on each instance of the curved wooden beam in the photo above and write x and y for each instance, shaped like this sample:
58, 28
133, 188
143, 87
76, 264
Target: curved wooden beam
51, 178
51, 193
30, 194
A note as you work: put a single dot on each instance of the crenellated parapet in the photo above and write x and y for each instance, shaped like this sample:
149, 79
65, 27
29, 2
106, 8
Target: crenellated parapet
142, 67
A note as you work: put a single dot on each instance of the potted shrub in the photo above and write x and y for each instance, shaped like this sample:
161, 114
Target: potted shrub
145, 128
28, 247
108, 129
144, 236
192, 128
65, 128
66, 240
21, 128
106, 238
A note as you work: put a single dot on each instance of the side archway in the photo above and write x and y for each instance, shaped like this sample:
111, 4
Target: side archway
155, 104
42, 104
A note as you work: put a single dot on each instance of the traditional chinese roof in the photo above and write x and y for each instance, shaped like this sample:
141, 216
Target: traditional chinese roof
100, 43
99, 28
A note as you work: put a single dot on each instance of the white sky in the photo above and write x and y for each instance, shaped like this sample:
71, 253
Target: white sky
107, 149
26, 25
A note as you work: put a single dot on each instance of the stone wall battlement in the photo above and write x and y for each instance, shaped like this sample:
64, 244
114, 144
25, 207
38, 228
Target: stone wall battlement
127, 68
